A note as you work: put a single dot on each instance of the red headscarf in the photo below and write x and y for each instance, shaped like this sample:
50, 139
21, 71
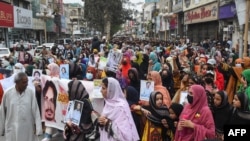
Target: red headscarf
126, 67
199, 113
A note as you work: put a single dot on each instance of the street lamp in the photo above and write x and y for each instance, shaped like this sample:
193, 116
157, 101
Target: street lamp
45, 15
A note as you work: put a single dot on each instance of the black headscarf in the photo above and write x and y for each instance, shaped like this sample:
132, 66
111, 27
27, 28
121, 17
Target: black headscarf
77, 91
223, 112
132, 95
158, 113
144, 67
135, 81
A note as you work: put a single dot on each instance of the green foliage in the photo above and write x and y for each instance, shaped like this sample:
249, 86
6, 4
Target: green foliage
95, 10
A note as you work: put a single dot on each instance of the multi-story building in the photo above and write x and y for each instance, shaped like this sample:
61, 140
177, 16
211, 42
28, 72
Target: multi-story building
76, 25
16, 21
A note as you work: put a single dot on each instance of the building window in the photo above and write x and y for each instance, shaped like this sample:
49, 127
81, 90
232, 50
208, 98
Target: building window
16, 2
26, 5
73, 13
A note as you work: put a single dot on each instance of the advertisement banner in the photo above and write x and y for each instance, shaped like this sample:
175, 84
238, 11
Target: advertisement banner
22, 18
227, 11
6, 15
202, 14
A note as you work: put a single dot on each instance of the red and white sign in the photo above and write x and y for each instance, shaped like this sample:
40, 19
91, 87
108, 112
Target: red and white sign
202, 14
6, 15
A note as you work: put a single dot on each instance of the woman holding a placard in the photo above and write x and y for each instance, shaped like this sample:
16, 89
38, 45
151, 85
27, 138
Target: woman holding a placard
155, 76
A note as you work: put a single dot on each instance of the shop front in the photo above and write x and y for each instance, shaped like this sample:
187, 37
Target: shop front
202, 23
6, 21
228, 21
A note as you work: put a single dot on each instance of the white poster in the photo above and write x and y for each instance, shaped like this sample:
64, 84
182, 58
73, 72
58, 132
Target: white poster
114, 60
55, 100
22, 18
64, 71
97, 89
147, 87
36, 76
183, 97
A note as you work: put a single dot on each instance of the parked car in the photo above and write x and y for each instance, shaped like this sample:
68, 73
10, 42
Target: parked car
4, 52
63, 41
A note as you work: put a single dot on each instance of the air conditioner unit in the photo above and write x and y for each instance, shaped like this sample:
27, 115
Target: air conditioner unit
230, 28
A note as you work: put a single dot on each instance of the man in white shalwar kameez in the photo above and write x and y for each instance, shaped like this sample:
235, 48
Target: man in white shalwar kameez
19, 114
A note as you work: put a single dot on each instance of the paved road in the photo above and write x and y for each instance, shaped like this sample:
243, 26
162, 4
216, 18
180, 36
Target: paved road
40, 138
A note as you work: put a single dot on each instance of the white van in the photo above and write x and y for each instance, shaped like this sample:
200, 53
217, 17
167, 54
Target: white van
63, 41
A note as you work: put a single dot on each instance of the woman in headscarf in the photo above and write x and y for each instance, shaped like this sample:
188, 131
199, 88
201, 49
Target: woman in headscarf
168, 81
144, 67
18, 68
155, 76
196, 120
245, 80
154, 64
90, 73
139, 58
132, 97
222, 112
156, 112
134, 80
75, 70
77, 91
126, 65
54, 70
116, 119
241, 113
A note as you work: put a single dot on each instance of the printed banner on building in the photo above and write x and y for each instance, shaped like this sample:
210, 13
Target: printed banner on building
202, 14
6, 15
23, 18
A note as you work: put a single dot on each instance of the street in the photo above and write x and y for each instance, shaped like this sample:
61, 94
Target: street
40, 138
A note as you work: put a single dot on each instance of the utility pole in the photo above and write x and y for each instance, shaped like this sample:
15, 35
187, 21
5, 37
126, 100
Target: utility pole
246, 28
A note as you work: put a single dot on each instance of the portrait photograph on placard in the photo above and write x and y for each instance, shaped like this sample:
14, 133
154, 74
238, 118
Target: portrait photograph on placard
36, 75
97, 89
64, 71
147, 87
183, 97
114, 60
77, 112
69, 111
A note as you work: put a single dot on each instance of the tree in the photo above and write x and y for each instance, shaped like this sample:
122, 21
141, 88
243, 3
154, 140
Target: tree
104, 14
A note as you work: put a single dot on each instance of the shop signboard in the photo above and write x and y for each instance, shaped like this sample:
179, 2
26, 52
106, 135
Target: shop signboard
227, 11
202, 14
6, 15
23, 18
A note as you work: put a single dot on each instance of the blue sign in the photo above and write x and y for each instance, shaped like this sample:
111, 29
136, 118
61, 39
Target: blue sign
227, 11
148, 1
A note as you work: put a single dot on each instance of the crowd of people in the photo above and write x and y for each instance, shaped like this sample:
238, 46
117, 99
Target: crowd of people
198, 88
